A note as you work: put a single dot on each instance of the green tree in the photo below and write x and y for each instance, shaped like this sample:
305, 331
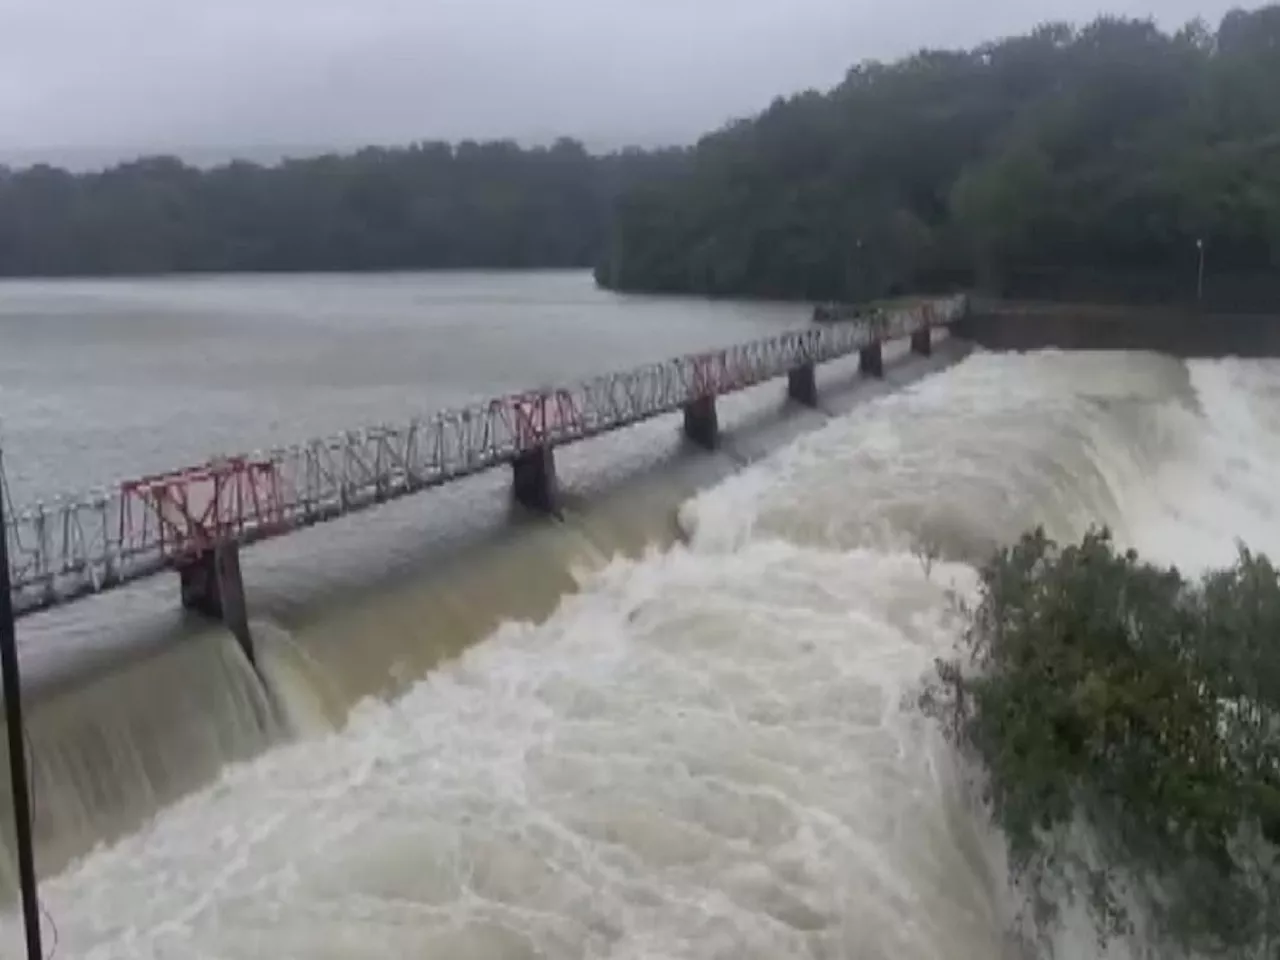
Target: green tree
999, 204
1075, 161
1097, 689
427, 205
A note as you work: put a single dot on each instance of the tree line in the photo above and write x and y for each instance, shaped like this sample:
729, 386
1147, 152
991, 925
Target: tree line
430, 205
1100, 160
1111, 160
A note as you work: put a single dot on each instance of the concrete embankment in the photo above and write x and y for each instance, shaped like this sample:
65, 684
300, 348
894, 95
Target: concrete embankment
133, 704
1177, 331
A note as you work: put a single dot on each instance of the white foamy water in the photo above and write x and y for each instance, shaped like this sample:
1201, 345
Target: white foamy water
710, 752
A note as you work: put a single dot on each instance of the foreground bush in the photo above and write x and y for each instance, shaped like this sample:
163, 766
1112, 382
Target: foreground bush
1101, 692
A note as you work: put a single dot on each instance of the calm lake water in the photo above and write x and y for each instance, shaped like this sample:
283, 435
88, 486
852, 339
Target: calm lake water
103, 380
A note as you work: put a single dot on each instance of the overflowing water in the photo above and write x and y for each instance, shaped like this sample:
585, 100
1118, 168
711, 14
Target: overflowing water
129, 693
708, 751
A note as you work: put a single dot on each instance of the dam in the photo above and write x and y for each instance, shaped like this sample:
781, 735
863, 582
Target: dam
194, 520
685, 731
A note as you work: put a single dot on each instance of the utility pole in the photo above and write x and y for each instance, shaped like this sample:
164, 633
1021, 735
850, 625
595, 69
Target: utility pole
17, 747
1200, 272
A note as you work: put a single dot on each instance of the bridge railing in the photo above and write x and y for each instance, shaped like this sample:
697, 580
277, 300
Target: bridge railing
71, 546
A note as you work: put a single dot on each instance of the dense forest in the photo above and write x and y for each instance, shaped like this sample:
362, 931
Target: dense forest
429, 205
1112, 160
1085, 161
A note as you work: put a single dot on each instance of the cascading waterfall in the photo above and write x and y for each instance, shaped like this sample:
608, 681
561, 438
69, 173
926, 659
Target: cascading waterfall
129, 714
105, 754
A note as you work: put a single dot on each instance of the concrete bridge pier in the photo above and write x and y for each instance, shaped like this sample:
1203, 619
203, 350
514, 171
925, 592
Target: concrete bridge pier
871, 360
701, 423
802, 385
213, 585
534, 483
922, 342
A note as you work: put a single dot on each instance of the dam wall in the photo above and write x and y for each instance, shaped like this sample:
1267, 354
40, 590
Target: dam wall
1177, 330
133, 703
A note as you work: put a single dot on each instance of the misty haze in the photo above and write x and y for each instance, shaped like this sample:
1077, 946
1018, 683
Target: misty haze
85, 83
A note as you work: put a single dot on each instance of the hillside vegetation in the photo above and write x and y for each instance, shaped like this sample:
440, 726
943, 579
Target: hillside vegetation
431, 205
1070, 161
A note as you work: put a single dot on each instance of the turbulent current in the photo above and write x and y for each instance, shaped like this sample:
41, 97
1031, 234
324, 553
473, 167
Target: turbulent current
709, 751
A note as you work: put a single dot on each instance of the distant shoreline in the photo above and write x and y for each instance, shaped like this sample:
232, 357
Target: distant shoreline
253, 274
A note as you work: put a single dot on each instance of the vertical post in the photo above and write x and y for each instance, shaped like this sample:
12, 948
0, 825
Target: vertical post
213, 585
235, 609
802, 385
922, 342
871, 360
1200, 272
533, 482
17, 750
701, 423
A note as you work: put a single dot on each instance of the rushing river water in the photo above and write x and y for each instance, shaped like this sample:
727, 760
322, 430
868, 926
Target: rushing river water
704, 751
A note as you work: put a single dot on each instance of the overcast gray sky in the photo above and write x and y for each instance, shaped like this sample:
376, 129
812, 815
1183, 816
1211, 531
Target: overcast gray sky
177, 74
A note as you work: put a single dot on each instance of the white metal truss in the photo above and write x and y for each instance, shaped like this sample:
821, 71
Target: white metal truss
71, 546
